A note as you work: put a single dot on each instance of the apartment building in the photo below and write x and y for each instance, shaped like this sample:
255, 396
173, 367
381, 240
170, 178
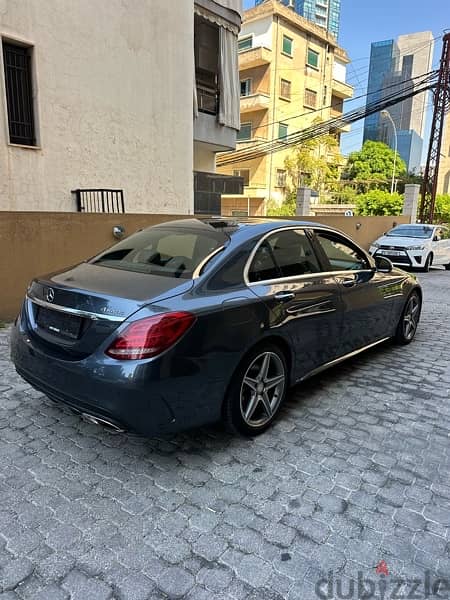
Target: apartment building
326, 13
117, 105
292, 73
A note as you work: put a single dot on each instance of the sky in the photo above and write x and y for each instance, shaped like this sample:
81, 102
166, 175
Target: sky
367, 21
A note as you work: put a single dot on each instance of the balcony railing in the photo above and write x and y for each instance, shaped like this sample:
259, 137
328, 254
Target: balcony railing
100, 200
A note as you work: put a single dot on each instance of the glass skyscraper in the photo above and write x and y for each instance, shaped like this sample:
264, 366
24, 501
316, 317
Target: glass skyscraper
394, 66
325, 13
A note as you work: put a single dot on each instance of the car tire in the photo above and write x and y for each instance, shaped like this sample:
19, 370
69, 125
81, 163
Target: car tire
250, 405
427, 265
447, 267
409, 320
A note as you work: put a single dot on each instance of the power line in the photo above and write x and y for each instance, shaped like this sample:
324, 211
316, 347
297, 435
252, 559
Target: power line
329, 106
323, 128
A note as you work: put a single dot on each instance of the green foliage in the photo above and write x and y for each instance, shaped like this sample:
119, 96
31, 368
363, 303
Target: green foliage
342, 194
379, 203
442, 208
286, 209
314, 163
374, 161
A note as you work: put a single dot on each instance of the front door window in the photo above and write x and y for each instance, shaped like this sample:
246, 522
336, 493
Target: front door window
341, 255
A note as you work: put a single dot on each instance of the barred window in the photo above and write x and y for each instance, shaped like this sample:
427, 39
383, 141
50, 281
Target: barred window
19, 94
285, 89
310, 98
281, 178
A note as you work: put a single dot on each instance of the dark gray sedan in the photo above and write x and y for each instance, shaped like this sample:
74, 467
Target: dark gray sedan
200, 320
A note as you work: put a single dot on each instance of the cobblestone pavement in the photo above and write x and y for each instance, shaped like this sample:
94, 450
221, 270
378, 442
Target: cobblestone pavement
355, 471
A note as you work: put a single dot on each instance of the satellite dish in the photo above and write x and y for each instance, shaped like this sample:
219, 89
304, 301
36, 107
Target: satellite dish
348, 213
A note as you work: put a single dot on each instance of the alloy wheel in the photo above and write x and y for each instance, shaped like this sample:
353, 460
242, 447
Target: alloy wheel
411, 317
262, 389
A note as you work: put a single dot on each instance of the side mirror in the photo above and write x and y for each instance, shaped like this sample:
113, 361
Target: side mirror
383, 264
436, 238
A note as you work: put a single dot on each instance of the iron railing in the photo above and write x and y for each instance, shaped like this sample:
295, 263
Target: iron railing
100, 201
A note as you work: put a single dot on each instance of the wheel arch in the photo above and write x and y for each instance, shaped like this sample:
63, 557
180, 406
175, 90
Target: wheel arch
278, 341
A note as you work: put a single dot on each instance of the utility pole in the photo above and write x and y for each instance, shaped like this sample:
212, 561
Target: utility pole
441, 105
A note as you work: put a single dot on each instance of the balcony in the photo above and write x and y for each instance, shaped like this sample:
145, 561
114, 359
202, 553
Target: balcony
254, 57
342, 89
343, 127
259, 101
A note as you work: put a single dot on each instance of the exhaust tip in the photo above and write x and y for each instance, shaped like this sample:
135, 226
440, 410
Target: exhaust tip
111, 427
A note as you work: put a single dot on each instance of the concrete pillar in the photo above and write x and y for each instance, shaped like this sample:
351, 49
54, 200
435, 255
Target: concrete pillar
412, 191
303, 201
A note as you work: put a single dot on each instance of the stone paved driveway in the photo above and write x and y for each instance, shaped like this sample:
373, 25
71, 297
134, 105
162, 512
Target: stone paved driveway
357, 470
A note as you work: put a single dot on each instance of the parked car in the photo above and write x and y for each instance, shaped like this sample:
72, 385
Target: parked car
200, 320
416, 245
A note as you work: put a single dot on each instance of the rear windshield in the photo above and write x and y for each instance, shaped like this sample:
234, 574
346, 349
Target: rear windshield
167, 251
413, 232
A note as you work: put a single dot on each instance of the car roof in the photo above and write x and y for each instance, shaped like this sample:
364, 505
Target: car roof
231, 225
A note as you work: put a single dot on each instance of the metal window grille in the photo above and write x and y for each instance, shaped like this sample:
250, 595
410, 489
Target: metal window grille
19, 94
310, 98
285, 89
281, 178
100, 201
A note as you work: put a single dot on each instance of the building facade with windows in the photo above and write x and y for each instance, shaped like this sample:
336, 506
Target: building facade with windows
395, 67
136, 97
326, 13
292, 73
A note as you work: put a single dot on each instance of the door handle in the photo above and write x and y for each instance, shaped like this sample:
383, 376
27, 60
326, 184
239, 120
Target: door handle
284, 296
348, 281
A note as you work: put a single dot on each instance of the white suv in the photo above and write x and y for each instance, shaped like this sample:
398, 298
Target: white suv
417, 245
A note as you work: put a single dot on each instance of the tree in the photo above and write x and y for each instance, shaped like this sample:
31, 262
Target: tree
379, 203
374, 161
442, 208
314, 163
287, 208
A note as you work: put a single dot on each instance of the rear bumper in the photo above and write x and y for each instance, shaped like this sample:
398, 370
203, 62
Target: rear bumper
149, 397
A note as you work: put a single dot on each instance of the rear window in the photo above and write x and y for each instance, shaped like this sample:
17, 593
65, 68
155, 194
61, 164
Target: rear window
167, 251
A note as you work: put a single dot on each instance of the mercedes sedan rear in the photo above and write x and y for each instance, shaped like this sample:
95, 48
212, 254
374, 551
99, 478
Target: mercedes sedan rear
196, 321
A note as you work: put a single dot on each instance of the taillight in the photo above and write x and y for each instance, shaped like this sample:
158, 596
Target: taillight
150, 336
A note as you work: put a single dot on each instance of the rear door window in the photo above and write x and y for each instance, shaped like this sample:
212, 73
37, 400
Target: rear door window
285, 253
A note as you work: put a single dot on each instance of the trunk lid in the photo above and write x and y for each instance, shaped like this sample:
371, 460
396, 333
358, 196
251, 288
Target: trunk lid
74, 311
